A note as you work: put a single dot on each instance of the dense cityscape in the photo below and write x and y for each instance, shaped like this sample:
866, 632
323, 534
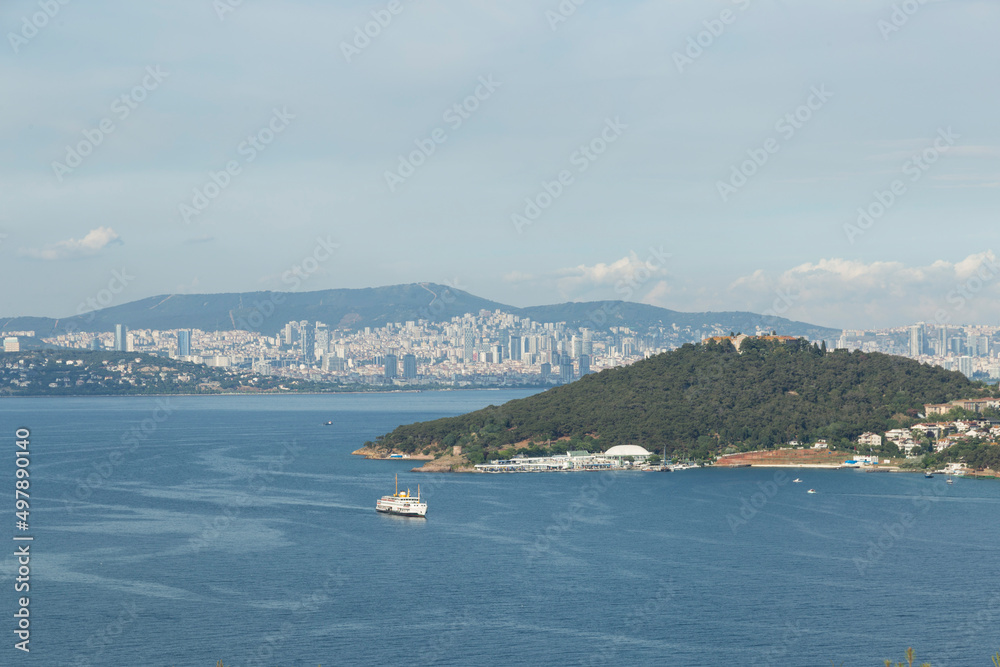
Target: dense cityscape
970, 349
488, 349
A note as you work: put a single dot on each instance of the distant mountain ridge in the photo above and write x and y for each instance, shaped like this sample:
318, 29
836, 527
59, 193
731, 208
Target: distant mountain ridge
374, 306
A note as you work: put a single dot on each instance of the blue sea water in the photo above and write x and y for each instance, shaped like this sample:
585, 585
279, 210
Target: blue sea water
185, 530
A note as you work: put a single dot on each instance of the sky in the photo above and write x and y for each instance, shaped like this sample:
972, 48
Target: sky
836, 163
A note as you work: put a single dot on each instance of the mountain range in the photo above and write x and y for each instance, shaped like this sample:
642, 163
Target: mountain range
267, 312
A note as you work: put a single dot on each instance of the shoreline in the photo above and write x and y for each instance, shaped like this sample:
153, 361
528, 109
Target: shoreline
268, 393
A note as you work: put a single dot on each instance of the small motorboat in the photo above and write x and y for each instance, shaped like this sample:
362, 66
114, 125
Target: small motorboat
329, 423
811, 491
796, 481
951, 481
928, 475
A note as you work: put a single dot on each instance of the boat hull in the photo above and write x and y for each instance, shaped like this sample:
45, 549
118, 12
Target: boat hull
416, 512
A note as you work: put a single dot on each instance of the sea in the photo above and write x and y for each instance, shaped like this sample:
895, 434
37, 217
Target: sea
192, 529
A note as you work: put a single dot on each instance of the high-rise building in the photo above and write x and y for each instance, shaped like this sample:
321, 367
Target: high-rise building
391, 366
184, 343
916, 340
469, 345
576, 347
545, 369
588, 342
565, 369
584, 364
322, 344
409, 366
121, 338
307, 343
957, 345
515, 348
972, 344
290, 336
965, 366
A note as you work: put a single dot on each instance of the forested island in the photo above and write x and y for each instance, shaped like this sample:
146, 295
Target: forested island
702, 400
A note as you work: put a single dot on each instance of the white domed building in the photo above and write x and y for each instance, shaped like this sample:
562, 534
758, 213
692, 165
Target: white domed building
619, 452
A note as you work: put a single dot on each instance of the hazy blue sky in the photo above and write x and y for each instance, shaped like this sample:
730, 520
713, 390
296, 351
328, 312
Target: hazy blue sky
828, 101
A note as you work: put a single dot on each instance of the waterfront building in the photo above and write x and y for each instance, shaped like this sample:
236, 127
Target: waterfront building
620, 452
409, 367
391, 366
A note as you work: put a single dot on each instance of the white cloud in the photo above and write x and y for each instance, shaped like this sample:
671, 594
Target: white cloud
855, 294
626, 277
91, 244
518, 277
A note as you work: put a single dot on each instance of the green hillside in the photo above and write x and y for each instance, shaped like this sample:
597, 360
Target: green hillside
700, 399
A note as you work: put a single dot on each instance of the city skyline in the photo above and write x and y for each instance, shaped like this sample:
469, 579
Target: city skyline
497, 348
526, 153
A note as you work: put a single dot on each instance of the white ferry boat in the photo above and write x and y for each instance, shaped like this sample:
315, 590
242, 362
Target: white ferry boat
402, 504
